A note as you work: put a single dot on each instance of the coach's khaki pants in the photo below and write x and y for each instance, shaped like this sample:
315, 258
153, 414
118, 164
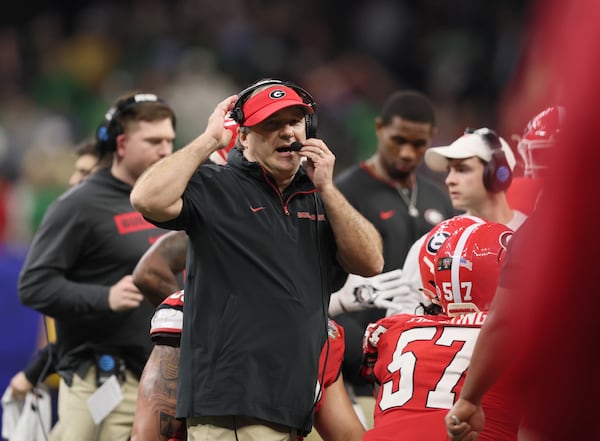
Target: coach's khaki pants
75, 421
241, 428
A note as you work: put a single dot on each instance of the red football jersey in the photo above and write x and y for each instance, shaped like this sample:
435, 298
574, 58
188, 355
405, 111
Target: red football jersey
420, 363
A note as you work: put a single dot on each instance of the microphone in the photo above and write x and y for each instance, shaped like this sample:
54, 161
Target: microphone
295, 146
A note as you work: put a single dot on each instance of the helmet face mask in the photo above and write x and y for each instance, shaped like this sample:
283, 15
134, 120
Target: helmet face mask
536, 155
537, 144
467, 267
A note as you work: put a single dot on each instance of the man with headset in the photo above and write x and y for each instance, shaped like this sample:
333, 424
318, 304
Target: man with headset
78, 271
480, 168
267, 239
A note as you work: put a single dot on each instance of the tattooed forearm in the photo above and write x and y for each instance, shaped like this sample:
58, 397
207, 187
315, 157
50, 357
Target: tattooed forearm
157, 396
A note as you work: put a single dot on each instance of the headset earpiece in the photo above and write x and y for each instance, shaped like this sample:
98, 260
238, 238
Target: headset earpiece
237, 113
311, 124
105, 136
497, 174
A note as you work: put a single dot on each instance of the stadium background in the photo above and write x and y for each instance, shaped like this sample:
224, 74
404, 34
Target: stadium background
63, 63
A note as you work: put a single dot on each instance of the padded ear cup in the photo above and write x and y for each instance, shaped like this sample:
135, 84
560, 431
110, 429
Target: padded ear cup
237, 113
106, 134
497, 174
311, 125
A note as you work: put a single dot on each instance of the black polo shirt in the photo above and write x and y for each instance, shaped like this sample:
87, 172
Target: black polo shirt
260, 270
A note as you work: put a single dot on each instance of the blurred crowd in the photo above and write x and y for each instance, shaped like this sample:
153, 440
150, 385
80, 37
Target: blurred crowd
59, 70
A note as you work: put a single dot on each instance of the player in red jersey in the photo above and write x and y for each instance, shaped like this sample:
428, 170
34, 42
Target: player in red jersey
418, 362
335, 418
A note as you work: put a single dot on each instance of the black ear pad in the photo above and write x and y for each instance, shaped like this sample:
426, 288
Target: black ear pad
311, 124
107, 132
110, 128
497, 174
237, 113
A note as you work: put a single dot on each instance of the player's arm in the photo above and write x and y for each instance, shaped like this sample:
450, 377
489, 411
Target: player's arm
336, 419
156, 272
157, 395
370, 354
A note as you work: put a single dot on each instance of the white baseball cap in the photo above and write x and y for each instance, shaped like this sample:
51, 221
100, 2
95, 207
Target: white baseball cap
467, 146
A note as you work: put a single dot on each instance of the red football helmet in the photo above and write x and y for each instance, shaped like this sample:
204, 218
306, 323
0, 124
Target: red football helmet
467, 267
433, 241
540, 136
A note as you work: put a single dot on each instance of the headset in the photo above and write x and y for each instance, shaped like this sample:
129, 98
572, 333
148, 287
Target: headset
111, 128
497, 174
237, 113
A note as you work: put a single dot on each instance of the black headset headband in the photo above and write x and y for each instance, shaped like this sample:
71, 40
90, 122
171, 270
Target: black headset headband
237, 113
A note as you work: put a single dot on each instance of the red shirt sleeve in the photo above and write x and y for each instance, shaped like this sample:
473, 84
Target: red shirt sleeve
332, 354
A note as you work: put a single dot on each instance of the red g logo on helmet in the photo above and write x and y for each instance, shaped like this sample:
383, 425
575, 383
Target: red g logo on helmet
467, 267
433, 241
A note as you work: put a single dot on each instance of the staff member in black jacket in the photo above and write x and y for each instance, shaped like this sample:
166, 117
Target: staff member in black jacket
78, 271
266, 238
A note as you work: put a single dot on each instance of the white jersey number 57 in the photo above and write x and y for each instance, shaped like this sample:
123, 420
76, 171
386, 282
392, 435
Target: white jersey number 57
441, 396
